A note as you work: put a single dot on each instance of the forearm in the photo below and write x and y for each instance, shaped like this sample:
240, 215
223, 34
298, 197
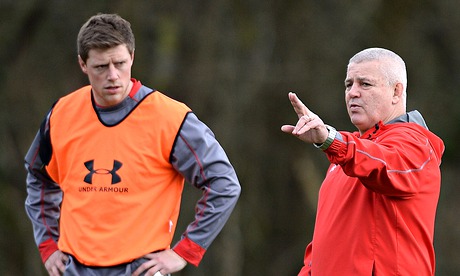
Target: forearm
212, 212
386, 166
42, 208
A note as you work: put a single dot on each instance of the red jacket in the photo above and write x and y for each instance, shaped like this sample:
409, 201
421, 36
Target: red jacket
377, 204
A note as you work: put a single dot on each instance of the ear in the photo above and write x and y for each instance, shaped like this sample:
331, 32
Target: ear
398, 93
82, 64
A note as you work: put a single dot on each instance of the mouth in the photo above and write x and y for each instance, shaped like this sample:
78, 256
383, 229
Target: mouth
112, 88
353, 107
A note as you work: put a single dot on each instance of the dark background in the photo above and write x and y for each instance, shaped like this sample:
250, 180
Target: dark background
233, 62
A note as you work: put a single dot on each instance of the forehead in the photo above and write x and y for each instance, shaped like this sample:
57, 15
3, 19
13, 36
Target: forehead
114, 53
365, 70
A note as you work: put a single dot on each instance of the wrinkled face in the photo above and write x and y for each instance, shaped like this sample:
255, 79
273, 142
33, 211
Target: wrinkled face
369, 96
109, 73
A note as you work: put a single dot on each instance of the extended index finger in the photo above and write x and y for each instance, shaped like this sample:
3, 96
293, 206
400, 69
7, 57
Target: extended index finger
299, 108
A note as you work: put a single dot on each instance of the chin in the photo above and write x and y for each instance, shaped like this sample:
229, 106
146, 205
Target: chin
355, 121
360, 125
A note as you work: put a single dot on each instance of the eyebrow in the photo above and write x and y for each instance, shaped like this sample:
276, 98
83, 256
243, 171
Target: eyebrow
96, 64
360, 79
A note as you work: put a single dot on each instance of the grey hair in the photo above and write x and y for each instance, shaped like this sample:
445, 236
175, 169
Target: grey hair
394, 68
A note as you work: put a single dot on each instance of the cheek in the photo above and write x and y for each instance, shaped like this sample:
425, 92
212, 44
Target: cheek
94, 76
381, 103
347, 99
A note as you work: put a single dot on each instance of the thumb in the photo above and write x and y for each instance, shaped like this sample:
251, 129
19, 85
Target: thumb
287, 128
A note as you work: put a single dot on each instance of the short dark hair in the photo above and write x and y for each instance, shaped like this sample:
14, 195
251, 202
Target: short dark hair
104, 31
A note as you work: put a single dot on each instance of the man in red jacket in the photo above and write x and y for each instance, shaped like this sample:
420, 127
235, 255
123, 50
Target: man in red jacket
377, 203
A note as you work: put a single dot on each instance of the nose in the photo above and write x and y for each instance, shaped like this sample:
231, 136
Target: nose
353, 91
112, 72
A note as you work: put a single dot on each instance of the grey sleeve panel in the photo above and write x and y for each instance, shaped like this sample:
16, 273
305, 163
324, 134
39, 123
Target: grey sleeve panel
199, 157
43, 195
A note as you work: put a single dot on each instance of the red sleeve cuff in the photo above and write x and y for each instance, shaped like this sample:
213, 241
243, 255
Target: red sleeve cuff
47, 248
190, 251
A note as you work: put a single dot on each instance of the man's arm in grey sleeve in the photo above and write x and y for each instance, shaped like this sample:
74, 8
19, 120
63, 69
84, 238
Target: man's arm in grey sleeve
199, 157
43, 195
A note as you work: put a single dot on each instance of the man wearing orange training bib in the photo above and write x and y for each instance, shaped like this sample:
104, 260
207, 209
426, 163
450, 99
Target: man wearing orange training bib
108, 165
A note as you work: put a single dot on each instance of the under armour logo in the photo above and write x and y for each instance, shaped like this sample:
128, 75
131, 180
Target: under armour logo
90, 166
